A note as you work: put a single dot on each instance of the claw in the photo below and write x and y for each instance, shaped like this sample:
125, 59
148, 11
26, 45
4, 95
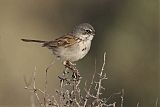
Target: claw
69, 63
73, 64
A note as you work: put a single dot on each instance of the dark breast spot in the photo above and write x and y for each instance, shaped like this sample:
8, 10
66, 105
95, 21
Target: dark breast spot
58, 56
84, 49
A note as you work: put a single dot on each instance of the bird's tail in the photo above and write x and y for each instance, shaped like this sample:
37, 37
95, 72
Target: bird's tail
30, 40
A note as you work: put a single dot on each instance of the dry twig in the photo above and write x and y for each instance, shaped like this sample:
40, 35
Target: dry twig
69, 93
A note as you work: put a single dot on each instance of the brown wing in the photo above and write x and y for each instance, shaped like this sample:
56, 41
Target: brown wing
63, 41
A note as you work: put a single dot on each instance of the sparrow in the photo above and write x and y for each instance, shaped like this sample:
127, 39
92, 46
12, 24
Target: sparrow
72, 46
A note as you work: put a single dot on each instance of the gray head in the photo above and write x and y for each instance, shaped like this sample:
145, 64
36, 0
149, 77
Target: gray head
84, 31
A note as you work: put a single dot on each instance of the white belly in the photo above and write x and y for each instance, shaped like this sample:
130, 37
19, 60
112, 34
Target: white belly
74, 52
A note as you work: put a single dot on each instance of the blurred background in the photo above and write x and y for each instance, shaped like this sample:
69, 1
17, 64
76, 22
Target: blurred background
126, 29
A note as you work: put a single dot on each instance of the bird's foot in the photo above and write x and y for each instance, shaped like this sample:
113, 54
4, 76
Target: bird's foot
72, 67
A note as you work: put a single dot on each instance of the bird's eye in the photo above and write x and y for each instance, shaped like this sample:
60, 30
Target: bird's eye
88, 31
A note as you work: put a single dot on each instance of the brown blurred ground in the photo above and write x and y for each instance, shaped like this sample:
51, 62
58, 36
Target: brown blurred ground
126, 29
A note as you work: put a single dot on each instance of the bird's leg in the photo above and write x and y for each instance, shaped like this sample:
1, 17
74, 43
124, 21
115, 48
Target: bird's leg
71, 66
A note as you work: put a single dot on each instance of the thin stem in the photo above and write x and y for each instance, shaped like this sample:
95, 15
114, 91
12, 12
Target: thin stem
104, 63
100, 80
46, 82
45, 88
137, 104
122, 98
34, 88
156, 105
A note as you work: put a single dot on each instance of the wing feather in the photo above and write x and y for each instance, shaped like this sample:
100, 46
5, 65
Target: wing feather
64, 41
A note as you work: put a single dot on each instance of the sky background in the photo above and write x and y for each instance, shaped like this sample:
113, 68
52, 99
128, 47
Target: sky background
126, 29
